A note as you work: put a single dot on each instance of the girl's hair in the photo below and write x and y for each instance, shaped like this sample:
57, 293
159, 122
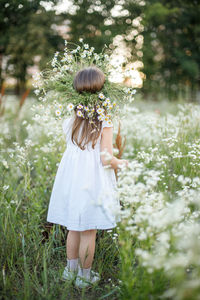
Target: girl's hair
91, 80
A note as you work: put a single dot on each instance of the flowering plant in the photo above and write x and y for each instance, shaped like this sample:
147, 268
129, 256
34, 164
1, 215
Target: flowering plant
55, 85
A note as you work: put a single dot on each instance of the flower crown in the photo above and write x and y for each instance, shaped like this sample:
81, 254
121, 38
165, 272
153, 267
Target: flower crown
55, 85
101, 111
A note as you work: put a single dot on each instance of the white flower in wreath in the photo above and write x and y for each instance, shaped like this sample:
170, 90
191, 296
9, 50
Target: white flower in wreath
107, 118
64, 68
133, 92
79, 113
86, 108
58, 112
101, 117
83, 55
74, 51
101, 96
100, 110
70, 106
96, 56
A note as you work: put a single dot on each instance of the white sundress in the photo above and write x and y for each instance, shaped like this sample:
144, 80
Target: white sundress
84, 193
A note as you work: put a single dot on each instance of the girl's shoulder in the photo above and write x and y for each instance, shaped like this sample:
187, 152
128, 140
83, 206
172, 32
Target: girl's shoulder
67, 123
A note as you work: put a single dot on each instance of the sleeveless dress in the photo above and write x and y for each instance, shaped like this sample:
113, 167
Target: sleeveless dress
84, 194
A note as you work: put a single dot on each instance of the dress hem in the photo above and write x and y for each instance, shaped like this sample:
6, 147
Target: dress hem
79, 228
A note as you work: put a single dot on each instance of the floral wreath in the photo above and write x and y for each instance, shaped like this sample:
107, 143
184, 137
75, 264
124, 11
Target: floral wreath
55, 85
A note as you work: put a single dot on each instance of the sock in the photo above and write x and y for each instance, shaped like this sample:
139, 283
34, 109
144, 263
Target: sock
84, 272
72, 264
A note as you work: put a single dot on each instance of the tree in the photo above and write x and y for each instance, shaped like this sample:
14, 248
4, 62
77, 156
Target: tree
171, 31
26, 32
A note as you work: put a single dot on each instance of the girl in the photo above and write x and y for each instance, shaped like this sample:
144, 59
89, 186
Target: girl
83, 196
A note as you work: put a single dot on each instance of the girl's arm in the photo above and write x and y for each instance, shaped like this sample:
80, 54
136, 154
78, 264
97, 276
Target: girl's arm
107, 157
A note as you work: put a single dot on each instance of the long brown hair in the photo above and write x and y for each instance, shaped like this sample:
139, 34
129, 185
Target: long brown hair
91, 80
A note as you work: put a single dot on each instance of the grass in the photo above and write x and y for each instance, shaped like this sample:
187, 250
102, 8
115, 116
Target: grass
33, 251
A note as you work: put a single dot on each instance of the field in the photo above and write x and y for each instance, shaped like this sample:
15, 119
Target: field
154, 251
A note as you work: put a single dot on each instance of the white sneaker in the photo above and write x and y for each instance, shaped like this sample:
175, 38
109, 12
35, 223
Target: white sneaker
69, 275
82, 282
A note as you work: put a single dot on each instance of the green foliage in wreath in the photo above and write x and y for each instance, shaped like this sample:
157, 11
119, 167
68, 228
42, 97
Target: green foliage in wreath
54, 85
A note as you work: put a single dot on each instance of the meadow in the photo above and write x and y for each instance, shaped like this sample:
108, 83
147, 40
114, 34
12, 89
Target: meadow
154, 253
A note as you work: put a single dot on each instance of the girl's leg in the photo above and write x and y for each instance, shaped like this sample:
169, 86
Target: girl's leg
87, 247
72, 249
72, 244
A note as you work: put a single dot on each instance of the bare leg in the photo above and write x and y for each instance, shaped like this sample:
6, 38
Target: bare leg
87, 247
72, 244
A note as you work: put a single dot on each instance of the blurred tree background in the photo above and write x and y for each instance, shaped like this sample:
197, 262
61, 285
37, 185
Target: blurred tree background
163, 36
171, 46
27, 38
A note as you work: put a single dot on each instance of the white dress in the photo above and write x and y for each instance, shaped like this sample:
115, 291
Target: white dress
84, 191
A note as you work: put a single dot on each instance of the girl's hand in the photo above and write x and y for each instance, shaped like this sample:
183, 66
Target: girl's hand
122, 162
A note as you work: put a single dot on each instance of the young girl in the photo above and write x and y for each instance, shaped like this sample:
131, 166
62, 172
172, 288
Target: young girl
83, 196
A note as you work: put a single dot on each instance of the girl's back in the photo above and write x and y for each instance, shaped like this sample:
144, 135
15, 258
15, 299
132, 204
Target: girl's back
83, 186
67, 129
